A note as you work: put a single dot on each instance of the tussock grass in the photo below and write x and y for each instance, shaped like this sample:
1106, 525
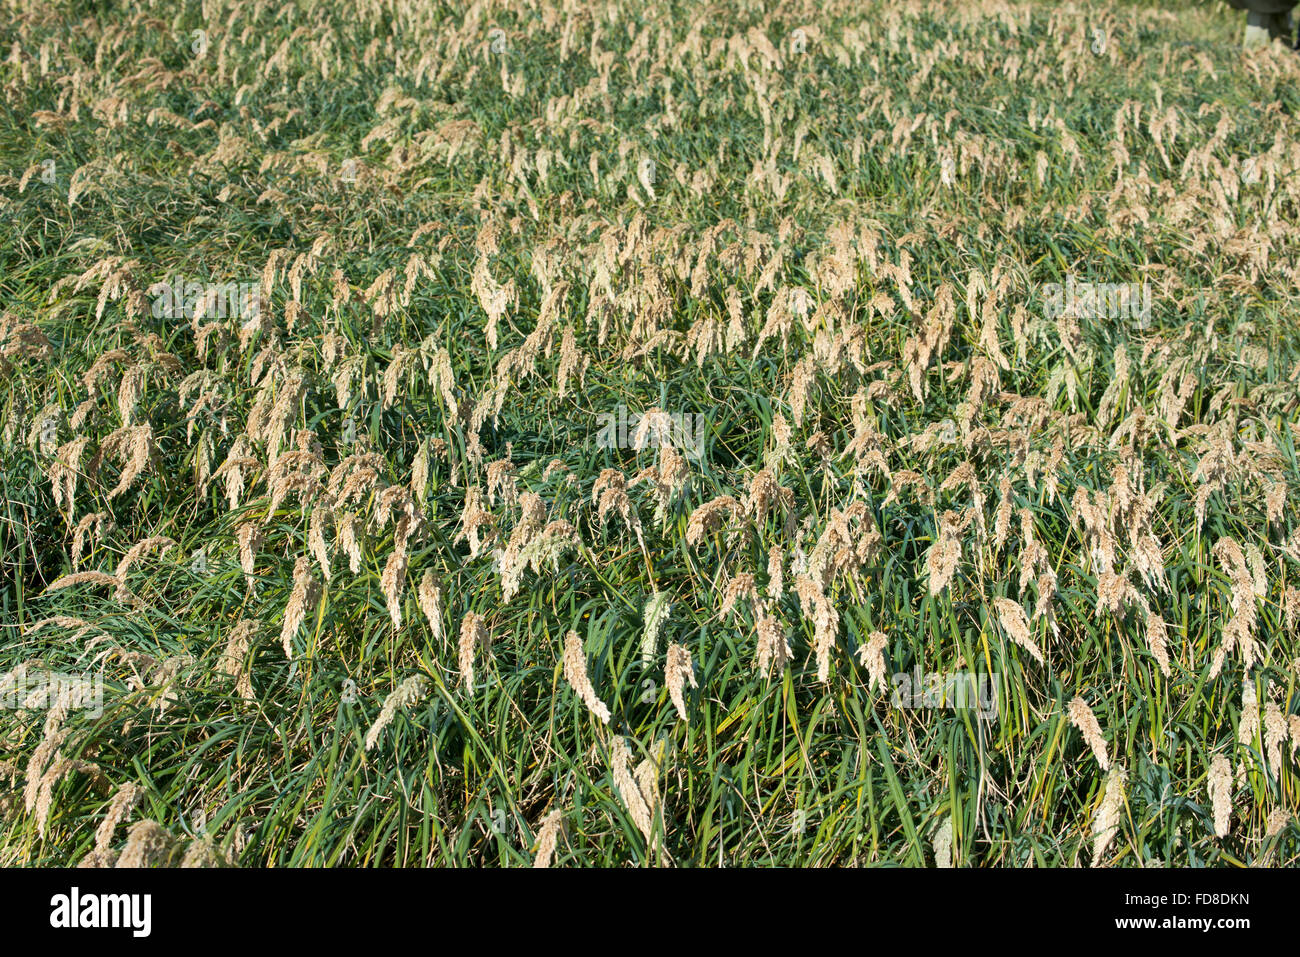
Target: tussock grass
398, 604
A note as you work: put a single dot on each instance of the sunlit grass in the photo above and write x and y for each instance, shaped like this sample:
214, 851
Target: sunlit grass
248, 152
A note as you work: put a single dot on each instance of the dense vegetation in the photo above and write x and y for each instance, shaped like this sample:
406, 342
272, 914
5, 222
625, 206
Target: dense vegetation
313, 322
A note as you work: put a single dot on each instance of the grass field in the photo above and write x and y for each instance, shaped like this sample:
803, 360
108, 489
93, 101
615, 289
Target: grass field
565, 433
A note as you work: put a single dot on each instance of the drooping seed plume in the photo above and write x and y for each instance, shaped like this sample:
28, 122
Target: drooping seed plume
1081, 717
679, 672
405, 696
575, 673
